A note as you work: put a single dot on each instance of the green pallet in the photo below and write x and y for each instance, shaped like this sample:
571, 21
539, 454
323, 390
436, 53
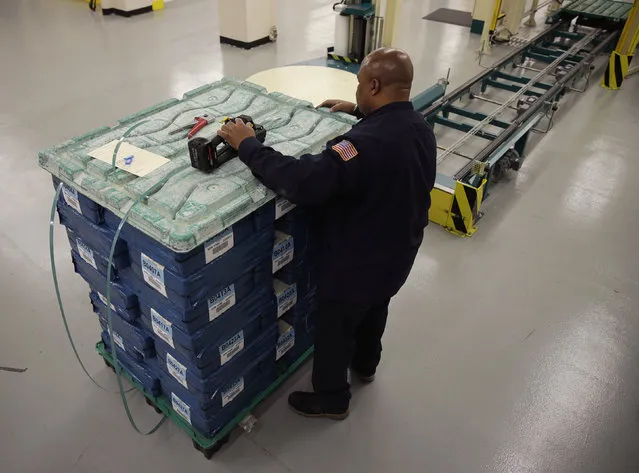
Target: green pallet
207, 445
599, 9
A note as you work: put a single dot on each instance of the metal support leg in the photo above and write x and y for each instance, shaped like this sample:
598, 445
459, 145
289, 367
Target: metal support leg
520, 145
531, 19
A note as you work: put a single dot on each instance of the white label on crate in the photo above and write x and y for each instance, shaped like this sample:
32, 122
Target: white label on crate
104, 301
177, 370
153, 273
231, 347
233, 391
286, 299
162, 327
282, 207
181, 407
285, 342
218, 245
221, 302
86, 253
282, 253
117, 339
70, 196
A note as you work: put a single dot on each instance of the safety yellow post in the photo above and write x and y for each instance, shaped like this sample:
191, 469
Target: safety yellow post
620, 58
496, 16
489, 12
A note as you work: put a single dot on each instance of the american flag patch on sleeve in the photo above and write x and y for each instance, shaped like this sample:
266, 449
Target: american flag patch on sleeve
345, 149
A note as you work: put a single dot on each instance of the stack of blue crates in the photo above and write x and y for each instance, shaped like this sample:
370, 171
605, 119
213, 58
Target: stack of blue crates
90, 239
211, 328
296, 284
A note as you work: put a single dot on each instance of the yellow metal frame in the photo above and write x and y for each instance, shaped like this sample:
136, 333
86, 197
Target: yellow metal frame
345, 59
497, 15
155, 4
457, 211
619, 61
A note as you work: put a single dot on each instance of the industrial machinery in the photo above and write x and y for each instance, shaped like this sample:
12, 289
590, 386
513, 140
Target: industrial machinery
613, 15
482, 127
358, 30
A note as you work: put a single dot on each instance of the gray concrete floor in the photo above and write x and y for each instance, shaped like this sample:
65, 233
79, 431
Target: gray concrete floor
514, 351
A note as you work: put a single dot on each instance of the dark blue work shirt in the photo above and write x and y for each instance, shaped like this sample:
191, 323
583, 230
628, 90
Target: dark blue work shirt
372, 186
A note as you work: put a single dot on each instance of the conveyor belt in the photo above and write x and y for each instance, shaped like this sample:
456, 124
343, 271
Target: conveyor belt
482, 127
599, 9
609, 14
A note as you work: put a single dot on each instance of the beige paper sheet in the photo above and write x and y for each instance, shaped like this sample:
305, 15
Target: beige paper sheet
130, 158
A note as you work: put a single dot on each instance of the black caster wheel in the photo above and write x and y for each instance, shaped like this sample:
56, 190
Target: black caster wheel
109, 365
150, 403
209, 452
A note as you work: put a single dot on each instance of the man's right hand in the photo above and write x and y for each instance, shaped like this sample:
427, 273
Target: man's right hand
337, 105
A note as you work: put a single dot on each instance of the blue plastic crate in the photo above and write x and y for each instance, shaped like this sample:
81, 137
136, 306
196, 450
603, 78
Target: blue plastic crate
298, 224
197, 345
303, 324
127, 345
186, 293
283, 251
304, 311
200, 381
221, 349
209, 426
285, 296
80, 203
210, 402
99, 237
189, 263
292, 343
122, 295
285, 339
302, 343
225, 300
138, 335
146, 373
304, 276
137, 340
95, 258
99, 300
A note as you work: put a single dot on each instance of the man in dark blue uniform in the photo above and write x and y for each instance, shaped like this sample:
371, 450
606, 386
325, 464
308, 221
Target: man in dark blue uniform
372, 186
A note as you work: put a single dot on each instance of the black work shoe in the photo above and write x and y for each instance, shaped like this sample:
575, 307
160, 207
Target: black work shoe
314, 405
363, 378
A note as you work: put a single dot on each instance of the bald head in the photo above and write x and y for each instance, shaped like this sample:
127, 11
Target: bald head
386, 76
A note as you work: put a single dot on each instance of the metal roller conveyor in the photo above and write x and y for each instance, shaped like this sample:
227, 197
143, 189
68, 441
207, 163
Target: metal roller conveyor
482, 127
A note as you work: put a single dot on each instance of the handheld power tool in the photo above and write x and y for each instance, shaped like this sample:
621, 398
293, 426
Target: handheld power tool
207, 155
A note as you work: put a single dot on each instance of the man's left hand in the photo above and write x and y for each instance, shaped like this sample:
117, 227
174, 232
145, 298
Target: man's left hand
236, 132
